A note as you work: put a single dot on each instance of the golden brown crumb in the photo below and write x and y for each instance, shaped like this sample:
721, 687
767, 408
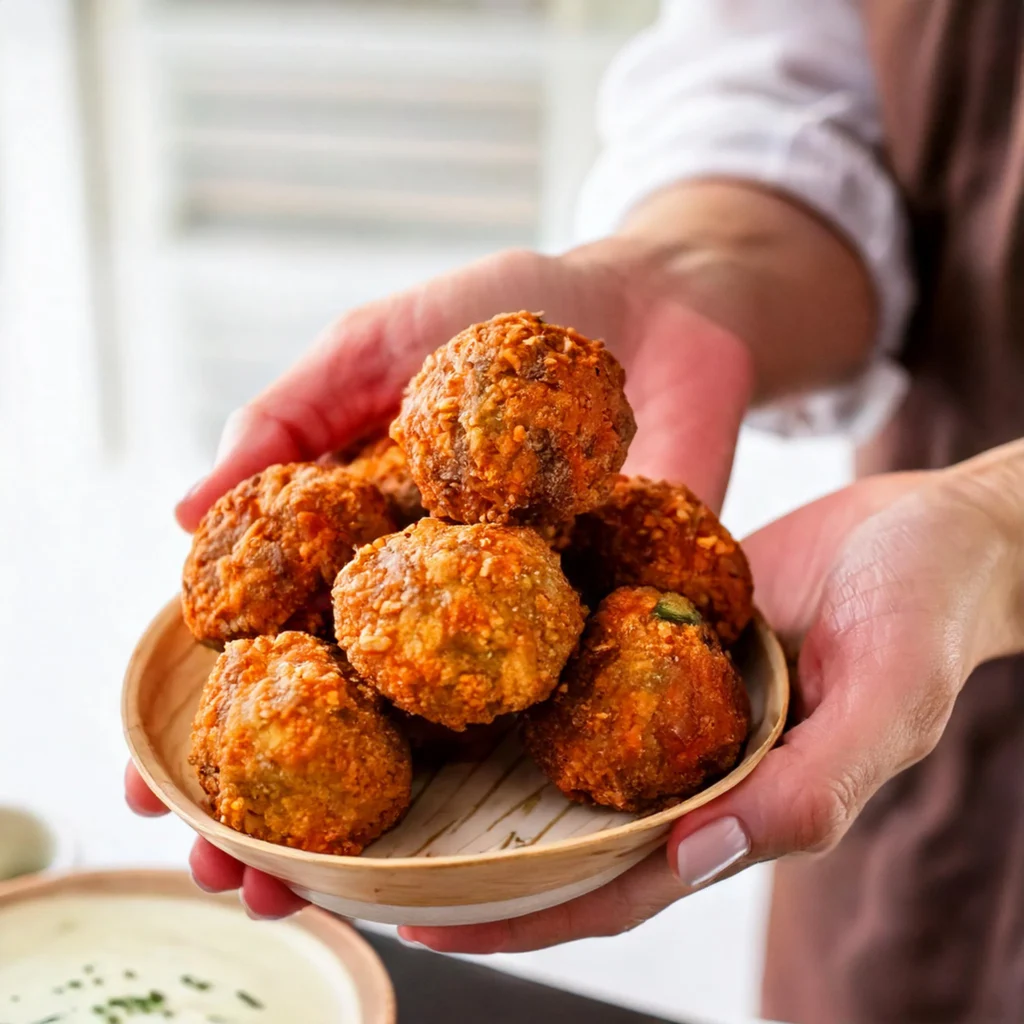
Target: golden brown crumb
292, 747
650, 710
268, 548
380, 461
515, 421
458, 624
661, 535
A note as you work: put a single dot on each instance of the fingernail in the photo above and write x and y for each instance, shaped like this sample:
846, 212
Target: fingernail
191, 491
229, 436
249, 912
403, 936
144, 812
704, 855
203, 886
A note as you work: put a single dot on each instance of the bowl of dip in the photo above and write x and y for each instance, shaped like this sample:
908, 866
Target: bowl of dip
31, 843
119, 946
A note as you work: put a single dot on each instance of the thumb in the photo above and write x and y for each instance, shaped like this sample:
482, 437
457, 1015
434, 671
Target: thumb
877, 678
690, 383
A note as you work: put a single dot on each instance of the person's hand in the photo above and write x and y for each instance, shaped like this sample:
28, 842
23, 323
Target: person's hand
689, 383
899, 587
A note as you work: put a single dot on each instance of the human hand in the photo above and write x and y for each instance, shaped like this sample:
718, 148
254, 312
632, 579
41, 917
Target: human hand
689, 383
900, 586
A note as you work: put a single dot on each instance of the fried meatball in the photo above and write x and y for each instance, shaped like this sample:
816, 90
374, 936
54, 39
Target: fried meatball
557, 536
657, 534
515, 421
292, 747
458, 624
269, 549
650, 710
380, 461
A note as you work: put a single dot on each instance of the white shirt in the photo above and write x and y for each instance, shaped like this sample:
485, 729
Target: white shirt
775, 91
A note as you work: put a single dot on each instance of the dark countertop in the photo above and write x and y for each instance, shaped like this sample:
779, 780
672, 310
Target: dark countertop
434, 989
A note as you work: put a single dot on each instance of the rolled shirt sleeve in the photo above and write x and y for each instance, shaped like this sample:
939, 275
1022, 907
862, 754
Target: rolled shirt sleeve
778, 92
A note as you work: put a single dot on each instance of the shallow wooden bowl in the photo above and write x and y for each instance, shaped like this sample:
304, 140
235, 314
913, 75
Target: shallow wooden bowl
373, 988
482, 841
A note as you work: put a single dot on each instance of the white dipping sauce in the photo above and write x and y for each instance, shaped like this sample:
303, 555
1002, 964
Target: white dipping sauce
121, 959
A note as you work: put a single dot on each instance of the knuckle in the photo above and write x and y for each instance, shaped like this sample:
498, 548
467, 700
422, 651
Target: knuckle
927, 723
829, 808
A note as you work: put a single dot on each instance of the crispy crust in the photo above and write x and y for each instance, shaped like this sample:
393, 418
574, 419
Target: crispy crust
458, 624
380, 461
661, 535
291, 747
515, 421
270, 546
649, 711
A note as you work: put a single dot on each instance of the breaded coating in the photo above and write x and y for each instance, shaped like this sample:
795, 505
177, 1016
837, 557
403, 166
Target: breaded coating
292, 747
458, 624
271, 547
650, 710
515, 421
557, 536
657, 534
381, 462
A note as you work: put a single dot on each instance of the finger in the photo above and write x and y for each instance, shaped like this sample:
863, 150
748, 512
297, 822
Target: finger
139, 797
355, 375
213, 869
632, 898
879, 672
264, 896
688, 420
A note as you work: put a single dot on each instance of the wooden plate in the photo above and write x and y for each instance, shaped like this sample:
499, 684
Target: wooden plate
483, 840
367, 973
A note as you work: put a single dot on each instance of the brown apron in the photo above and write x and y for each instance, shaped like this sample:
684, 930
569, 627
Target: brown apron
918, 915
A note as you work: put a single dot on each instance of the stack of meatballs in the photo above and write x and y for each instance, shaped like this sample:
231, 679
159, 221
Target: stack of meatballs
425, 589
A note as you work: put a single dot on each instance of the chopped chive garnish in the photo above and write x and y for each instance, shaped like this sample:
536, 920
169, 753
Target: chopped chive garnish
196, 983
249, 1000
675, 608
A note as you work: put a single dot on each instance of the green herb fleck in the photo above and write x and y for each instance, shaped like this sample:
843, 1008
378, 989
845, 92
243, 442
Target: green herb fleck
88, 968
196, 983
675, 608
51, 1019
74, 983
249, 1000
130, 975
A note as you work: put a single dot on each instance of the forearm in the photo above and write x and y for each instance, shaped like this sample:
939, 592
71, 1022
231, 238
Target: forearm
762, 267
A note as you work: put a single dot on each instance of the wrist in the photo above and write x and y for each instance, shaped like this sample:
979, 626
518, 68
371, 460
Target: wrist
991, 486
761, 267
645, 275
